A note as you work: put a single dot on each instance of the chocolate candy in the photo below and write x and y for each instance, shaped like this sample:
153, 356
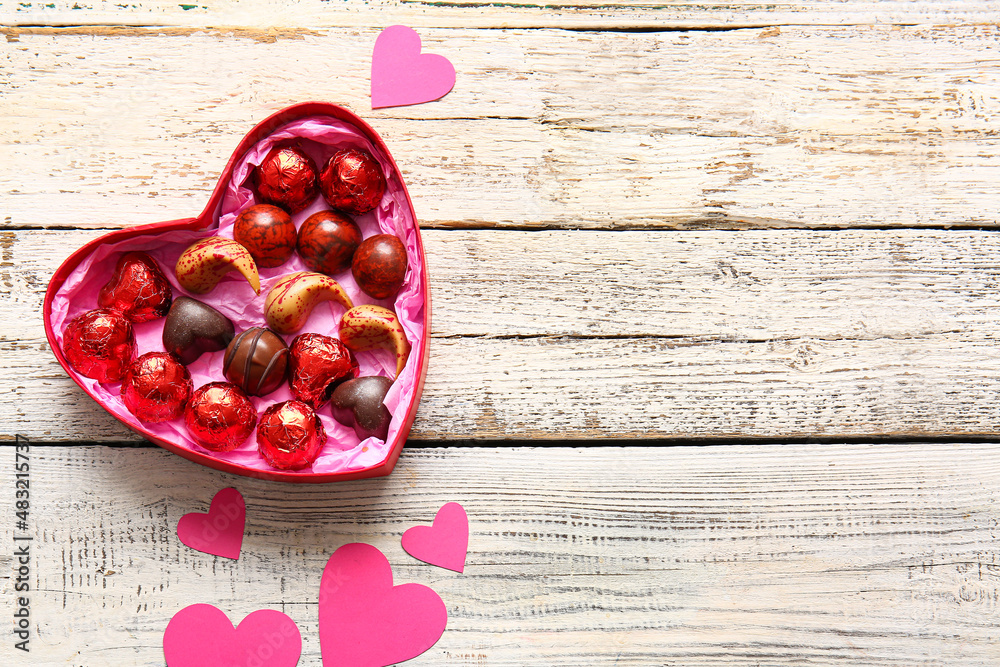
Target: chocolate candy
317, 364
372, 327
99, 344
193, 328
207, 261
267, 232
137, 289
352, 181
256, 361
291, 300
156, 387
287, 178
359, 403
379, 266
290, 435
219, 416
327, 241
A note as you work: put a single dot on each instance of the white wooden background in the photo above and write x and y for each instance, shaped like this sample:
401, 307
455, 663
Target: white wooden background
714, 366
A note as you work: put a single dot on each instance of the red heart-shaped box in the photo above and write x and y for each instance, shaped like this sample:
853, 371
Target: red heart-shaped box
319, 129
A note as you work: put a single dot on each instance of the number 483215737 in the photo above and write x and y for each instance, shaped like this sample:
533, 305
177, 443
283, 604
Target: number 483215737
21, 484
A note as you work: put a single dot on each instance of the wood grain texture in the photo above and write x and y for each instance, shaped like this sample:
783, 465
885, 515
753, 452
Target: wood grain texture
574, 191
261, 19
776, 555
584, 335
797, 127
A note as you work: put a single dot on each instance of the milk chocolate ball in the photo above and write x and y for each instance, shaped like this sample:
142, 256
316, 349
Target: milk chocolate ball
256, 361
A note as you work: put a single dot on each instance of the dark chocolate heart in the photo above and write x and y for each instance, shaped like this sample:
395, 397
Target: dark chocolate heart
193, 328
358, 403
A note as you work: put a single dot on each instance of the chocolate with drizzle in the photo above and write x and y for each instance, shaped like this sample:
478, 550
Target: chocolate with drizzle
256, 361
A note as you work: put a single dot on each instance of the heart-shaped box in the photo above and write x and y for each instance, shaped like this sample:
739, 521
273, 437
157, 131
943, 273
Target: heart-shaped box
319, 129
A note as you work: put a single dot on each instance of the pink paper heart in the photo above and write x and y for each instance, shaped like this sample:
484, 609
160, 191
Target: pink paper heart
365, 621
202, 636
401, 75
220, 532
446, 543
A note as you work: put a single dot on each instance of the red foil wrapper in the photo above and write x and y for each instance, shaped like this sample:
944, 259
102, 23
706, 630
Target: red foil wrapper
318, 364
99, 344
290, 435
352, 181
287, 178
156, 387
138, 289
220, 416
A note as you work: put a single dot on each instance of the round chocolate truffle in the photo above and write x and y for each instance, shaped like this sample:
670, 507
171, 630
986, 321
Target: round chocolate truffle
256, 361
290, 435
327, 241
267, 232
193, 328
99, 344
156, 387
352, 181
379, 265
219, 416
287, 178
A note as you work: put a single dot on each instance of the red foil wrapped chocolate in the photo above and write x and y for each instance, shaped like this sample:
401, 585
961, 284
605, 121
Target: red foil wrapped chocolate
379, 266
317, 364
267, 232
352, 181
287, 178
220, 416
99, 344
290, 435
137, 289
156, 387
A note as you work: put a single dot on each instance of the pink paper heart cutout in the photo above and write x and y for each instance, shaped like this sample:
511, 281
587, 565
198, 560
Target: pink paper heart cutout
401, 75
202, 636
220, 532
445, 543
365, 621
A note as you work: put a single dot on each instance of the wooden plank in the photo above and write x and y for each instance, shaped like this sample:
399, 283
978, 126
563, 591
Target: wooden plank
631, 334
776, 555
798, 127
265, 20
